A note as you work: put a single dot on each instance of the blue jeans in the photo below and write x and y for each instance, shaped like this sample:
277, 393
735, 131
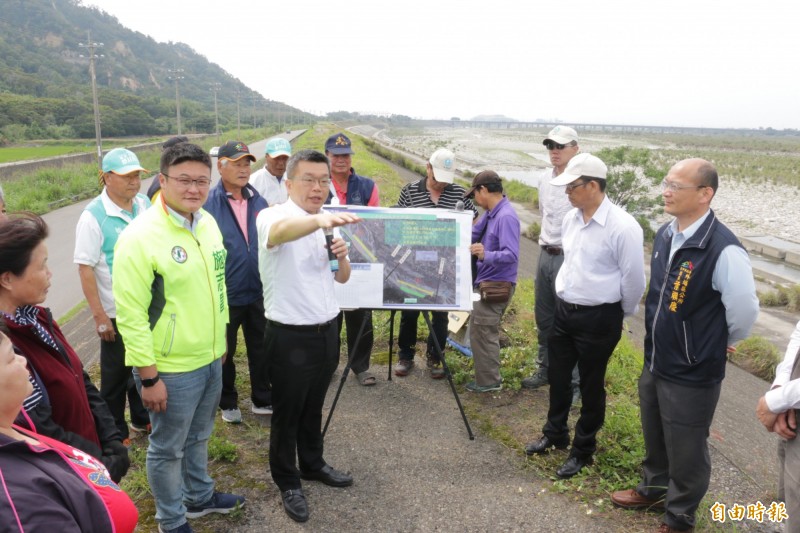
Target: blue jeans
177, 457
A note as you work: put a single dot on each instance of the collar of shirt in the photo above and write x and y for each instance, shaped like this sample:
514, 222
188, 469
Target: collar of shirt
680, 237
600, 215
114, 210
183, 221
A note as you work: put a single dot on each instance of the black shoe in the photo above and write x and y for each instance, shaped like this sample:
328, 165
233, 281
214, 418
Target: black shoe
294, 503
543, 445
330, 476
573, 465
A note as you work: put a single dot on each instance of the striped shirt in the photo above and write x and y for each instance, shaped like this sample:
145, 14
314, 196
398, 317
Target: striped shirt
416, 194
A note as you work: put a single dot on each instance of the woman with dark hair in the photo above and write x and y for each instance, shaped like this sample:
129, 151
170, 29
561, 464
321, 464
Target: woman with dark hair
48, 485
64, 404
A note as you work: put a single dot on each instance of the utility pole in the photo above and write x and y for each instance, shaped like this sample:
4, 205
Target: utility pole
238, 115
92, 46
175, 74
216, 87
254, 110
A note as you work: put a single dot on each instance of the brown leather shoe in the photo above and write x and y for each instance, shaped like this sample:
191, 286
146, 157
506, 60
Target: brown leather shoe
665, 528
630, 499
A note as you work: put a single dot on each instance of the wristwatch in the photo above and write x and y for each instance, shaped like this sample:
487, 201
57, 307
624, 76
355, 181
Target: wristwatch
150, 381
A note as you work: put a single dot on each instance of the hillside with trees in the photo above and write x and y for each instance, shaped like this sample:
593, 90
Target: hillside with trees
45, 89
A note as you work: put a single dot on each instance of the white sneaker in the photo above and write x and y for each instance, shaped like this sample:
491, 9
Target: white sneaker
232, 416
266, 410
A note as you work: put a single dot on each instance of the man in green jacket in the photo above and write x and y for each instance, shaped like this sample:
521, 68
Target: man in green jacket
169, 286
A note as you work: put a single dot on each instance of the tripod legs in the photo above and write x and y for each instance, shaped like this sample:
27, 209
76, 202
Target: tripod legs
440, 353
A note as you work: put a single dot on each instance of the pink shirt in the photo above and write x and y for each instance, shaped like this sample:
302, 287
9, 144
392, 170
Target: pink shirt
240, 212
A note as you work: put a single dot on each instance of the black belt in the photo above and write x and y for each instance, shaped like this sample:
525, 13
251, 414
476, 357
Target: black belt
552, 250
579, 307
308, 328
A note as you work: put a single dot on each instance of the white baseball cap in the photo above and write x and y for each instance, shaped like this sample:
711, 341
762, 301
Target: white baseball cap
443, 162
561, 135
586, 165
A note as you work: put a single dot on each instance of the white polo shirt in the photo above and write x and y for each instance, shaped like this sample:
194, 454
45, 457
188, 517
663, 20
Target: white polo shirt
270, 187
297, 279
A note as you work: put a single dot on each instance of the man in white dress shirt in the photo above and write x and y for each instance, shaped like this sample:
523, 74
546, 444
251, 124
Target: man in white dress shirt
601, 281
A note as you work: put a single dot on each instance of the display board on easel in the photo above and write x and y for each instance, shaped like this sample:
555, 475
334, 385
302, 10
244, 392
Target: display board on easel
407, 258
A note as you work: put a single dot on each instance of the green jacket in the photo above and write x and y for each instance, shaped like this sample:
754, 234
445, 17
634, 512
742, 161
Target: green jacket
169, 287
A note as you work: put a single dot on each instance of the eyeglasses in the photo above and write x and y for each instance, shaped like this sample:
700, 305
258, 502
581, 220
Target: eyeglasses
572, 186
184, 182
550, 145
674, 187
309, 182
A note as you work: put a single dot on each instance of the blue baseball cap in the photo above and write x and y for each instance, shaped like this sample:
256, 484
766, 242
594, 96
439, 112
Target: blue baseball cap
121, 161
338, 144
278, 146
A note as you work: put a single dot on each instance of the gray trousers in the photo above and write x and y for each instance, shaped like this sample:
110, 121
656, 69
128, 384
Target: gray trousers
544, 308
484, 339
677, 467
789, 482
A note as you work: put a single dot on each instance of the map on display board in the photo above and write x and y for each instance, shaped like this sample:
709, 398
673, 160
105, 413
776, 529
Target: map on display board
407, 258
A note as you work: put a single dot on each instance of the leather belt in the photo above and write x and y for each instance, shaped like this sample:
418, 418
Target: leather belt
579, 307
306, 328
552, 250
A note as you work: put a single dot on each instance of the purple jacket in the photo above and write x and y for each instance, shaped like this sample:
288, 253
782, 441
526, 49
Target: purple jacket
500, 243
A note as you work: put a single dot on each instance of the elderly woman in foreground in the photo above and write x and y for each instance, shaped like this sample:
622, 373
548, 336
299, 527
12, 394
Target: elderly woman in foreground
48, 485
64, 404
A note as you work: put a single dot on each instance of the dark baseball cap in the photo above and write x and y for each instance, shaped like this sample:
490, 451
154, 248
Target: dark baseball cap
235, 150
339, 144
482, 178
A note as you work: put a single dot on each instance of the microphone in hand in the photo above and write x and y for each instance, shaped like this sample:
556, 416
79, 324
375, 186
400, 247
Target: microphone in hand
332, 259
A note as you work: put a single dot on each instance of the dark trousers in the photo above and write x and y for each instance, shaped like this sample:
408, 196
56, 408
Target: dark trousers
407, 338
675, 422
116, 384
301, 364
586, 336
353, 319
252, 321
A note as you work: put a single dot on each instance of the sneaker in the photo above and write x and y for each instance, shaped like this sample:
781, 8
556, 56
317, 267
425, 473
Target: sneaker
147, 428
474, 387
220, 502
403, 367
437, 371
534, 382
232, 416
184, 528
266, 410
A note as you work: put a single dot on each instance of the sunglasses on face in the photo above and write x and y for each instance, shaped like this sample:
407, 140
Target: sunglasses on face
550, 145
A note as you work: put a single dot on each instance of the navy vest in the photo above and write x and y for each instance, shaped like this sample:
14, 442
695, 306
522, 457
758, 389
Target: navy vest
359, 189
687, 331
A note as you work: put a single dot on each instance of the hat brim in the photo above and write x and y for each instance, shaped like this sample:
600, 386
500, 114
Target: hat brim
240, 155
127, 169
469, 192
278, 153
444, 176
565, 178
558, 139
341, 151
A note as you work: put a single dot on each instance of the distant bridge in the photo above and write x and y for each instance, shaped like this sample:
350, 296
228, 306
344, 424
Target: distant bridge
626, 128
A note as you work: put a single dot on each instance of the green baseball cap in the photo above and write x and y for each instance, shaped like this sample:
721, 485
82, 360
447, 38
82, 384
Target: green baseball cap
121, 161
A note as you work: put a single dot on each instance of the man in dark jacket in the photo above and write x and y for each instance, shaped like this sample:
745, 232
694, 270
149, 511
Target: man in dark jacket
701, 301
235, 204
349, 188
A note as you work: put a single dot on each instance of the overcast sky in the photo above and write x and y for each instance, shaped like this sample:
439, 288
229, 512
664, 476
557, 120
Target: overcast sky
678, 62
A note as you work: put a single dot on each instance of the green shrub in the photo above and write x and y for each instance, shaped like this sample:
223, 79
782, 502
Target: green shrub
758, 356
